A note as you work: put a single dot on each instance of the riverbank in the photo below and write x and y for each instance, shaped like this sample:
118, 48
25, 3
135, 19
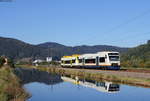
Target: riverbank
10, 86
132, 78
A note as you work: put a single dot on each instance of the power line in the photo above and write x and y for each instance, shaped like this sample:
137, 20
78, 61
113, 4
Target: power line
133, 36
122, 24
129, 21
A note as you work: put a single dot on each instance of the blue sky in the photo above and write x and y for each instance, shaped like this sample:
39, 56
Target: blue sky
124, 23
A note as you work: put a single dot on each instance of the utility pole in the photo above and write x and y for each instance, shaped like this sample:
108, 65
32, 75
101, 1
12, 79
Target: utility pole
48, 55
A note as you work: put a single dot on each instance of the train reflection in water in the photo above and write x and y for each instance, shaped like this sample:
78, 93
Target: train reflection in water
108, 87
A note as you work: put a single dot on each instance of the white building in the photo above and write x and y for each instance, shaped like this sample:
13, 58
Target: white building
48, 59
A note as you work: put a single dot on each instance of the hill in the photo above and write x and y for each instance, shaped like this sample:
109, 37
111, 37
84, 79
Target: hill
18, 49
14, 48
137, 57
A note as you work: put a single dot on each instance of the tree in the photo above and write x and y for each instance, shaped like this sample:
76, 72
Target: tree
148, 42
2, 61
11, 63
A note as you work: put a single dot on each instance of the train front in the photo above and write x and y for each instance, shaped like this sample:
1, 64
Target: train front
114, 60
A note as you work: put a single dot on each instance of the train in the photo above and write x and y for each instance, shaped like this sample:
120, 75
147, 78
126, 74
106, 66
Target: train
101, 60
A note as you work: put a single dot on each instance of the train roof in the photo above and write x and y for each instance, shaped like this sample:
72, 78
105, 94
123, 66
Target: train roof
90, 55
74, 55
70, 57
108, 52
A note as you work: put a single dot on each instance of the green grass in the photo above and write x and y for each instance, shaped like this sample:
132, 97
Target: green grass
10, 86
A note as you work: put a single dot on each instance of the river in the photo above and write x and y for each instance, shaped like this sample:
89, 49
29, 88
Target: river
44, 86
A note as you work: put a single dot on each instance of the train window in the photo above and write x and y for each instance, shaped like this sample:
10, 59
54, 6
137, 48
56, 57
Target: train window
67, 62
80, 60
89, 60
73, 61
102, 59
114, 58
62, 61
102, 84
113, 53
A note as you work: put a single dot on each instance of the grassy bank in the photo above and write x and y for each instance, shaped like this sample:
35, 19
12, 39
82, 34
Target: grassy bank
10, 86
95, 76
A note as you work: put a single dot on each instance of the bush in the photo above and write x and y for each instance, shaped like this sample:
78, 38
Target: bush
10, 63
54, 63
2, 61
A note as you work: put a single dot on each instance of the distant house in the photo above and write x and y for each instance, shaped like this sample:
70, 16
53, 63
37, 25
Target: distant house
48, 59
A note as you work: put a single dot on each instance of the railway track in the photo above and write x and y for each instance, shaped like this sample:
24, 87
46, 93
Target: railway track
121, 70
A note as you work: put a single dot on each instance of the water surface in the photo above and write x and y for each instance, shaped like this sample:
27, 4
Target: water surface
50, 87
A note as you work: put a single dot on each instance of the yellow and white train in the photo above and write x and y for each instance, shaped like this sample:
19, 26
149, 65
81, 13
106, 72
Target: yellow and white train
102, 60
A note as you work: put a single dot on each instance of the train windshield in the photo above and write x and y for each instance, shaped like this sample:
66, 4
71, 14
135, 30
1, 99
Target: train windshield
114, 87
114, 58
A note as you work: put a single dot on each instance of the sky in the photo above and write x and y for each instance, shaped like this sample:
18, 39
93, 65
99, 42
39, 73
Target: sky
124, 23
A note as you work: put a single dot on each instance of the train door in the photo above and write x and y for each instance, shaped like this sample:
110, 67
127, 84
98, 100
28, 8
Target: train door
71, 62
97, 61
83, 61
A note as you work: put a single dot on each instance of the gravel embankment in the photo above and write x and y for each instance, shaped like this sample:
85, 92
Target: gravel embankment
117, 73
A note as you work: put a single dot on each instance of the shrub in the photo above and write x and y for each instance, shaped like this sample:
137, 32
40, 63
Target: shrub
2, 61
10, 63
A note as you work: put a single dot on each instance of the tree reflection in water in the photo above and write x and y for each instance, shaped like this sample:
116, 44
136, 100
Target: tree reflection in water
34, 75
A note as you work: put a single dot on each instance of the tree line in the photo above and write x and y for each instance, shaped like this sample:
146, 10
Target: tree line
137, 57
